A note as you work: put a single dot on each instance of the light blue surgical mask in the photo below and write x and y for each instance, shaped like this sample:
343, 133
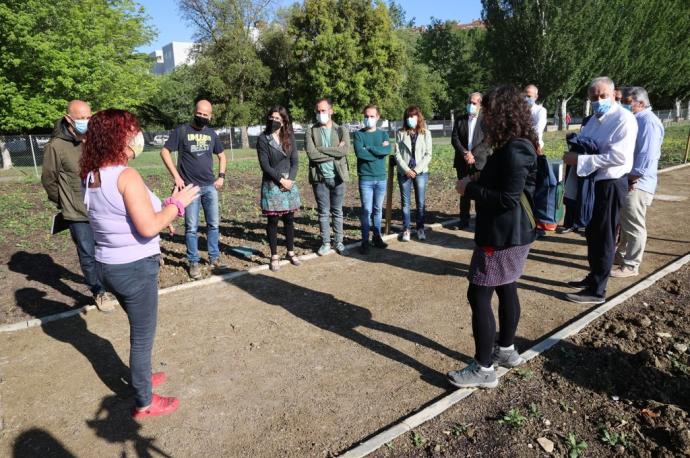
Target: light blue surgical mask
369, 123
471, 109
81, 126
627, 106
323, 118
601, 107
412, 122
529, 100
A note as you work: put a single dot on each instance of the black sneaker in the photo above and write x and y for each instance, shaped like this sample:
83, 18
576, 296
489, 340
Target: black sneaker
584, 283
585, 296
378, 242
364, 247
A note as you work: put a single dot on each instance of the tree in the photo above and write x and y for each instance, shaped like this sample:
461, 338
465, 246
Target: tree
227, 60
171, 103
454, 54
56, 51
345, 49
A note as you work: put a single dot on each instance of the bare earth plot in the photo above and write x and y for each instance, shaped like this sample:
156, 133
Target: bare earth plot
305, 362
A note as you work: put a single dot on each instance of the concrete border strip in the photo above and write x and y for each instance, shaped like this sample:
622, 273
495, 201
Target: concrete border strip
443, 404
672, 168
191, 284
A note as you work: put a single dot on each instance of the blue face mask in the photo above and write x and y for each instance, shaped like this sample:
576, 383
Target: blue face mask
600, 107
81, 126
627, 106
369, 123
471, 109
529, 100
412, 122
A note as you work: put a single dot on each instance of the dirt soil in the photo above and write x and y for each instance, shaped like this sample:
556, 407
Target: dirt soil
621, 386
304, 362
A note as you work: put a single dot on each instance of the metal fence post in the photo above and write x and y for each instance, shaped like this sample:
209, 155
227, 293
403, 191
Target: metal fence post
33, 155
232, 152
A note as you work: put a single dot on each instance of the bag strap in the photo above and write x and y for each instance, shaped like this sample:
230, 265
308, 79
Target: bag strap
528, 209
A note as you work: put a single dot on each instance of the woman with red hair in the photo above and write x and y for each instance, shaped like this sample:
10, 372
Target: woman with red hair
126, 218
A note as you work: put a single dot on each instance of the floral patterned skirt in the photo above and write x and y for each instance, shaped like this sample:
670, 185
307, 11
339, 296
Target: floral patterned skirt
495, 267
275, 201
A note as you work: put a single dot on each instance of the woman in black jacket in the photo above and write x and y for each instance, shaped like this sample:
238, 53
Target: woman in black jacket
504, 232
279, 194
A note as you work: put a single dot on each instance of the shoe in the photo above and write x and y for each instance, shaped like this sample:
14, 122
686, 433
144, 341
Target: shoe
541, 233
104, 302
463, 224
585, 297
157, 378
405, 237
421, 234
584, 283
324, 249
217, 264
340, 248
194, 271
564, 230
506, 358
473, 376
364, 248
378, 242
294, 259
275, 263
159, 406
624, 272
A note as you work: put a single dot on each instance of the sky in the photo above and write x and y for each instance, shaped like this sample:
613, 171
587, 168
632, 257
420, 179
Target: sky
165, 16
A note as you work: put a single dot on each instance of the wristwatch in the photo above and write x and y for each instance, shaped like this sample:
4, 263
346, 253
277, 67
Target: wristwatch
221, 175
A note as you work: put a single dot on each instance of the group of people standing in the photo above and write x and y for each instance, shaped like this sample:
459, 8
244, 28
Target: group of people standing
115, 220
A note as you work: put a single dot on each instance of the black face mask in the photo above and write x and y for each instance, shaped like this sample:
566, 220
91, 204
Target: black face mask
274, 126
200, 121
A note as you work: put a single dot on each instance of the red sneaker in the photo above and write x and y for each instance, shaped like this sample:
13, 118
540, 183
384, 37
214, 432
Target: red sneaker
157, 378
159, 406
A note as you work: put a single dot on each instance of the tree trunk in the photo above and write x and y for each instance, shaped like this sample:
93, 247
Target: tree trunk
588, 107
678, 110
6, 159
687, 112
245, 137
563, 109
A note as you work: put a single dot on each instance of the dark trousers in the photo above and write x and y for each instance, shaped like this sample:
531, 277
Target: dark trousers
135, 286
329, 202
571, 208
609, 196
272, 231
465, 202
483, 322
82, 235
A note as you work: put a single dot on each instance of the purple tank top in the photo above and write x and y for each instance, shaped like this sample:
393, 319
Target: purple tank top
117, 240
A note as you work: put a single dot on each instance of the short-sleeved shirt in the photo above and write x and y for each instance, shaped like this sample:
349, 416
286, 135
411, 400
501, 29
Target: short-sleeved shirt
195, 149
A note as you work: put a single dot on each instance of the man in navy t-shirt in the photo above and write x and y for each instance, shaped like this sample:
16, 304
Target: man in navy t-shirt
195, 144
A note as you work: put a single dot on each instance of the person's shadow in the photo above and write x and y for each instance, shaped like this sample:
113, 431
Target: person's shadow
324, 311
38, 442
112, 421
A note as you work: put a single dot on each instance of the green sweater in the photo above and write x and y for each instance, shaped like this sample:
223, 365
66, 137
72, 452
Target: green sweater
371, 154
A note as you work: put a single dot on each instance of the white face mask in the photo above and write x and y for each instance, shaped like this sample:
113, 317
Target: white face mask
323, 118
136, 144
370, 123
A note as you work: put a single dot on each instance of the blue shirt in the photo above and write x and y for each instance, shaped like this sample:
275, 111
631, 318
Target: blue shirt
650, 136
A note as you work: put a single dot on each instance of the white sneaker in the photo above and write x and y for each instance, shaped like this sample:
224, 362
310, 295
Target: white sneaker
421, 235
405, 236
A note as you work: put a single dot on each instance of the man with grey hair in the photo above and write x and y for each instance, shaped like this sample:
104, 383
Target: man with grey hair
642, 181
61, 180
614, 130
471, 149
538, 113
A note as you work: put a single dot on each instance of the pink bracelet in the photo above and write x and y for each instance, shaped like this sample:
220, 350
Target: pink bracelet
175, 202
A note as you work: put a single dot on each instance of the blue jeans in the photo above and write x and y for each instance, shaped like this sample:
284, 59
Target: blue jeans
419, 183
82, 235
371, 193
329, 202
208, 199
135, 285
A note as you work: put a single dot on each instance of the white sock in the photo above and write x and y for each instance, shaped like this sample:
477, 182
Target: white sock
511, 348
486, 369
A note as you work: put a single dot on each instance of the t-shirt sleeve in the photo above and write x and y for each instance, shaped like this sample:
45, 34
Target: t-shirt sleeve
217, 144
171, 144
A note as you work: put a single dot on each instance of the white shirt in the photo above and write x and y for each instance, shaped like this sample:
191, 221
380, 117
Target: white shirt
615, 134
538, 113
471, 123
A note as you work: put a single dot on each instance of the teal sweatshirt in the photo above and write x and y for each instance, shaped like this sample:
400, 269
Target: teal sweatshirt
371, 154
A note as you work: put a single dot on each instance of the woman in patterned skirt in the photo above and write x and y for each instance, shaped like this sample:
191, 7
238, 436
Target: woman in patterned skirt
280, 199
504, 232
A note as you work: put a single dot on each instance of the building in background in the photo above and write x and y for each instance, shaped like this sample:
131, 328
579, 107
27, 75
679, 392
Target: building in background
170, 56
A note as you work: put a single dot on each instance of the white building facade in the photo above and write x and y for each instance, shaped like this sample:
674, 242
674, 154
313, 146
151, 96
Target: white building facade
172, 55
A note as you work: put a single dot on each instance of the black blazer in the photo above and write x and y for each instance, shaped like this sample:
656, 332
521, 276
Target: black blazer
510, 170
274, 162
480, 147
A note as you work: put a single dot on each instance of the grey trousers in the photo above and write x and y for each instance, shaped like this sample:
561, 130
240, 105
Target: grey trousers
633, 228
329, 202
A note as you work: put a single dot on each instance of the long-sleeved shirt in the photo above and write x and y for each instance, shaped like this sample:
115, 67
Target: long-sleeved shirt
650, 136
538, 113
614, 133
371, 154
